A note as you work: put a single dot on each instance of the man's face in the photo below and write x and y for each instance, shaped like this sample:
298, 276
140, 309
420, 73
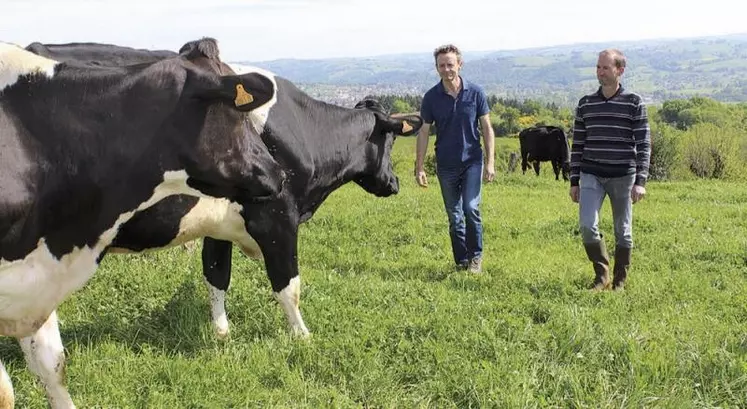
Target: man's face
607, 73
448, 66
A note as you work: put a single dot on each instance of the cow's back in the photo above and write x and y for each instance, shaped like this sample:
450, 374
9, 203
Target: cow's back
98, 54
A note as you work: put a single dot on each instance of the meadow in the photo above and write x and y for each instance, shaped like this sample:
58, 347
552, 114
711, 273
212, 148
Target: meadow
394, 326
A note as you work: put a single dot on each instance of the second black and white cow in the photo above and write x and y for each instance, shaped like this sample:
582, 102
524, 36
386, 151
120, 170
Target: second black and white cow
545, 143
321, 147
83, 149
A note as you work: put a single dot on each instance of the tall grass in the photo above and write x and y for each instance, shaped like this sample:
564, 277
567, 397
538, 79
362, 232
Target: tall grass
395, 327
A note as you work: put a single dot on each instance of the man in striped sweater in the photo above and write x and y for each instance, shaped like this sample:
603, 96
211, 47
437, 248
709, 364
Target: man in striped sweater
610, 156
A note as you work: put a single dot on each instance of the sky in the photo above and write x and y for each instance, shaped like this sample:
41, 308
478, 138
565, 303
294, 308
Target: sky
261, 30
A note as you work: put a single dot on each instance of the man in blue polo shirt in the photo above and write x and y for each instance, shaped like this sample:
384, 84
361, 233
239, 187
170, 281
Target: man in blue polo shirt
456, 106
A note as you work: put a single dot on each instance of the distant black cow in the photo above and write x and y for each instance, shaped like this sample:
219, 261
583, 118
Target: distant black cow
85, 148
545, 143
321, 147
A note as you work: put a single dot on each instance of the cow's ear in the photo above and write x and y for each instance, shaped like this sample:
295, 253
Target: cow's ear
245, 92
405, 125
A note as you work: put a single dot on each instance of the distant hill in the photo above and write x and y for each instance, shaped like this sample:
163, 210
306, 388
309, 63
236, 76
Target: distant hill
659, 70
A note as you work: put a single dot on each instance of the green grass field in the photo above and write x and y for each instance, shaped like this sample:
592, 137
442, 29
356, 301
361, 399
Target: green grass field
395, 327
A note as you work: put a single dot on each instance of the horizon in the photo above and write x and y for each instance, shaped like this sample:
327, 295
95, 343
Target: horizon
337, 29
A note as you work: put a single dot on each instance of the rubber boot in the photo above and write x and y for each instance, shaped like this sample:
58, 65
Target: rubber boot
622, 265
597, 253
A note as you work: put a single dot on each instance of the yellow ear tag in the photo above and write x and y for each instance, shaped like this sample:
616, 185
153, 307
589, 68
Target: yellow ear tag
242, 97
406, 127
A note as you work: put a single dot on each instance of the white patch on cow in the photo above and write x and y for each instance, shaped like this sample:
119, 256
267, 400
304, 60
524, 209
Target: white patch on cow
15, 61
45, 357
33, 287
218, 310
220, 219
212, 217
258, 116
7, 397
289, 298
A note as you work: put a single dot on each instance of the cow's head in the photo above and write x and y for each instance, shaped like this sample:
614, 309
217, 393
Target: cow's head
379, 178
231, 158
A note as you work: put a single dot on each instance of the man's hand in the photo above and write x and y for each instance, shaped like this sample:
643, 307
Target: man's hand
420, 178
488, 173
637, 193
574, 194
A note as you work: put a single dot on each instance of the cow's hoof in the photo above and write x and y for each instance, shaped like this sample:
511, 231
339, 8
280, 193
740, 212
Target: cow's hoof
300, 333
222, 334
221, 328
600, 286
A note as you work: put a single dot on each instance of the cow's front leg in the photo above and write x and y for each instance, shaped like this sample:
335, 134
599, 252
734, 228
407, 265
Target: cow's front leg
279, 246
216, 269
7, 397
45, 357
556, 169
290, 298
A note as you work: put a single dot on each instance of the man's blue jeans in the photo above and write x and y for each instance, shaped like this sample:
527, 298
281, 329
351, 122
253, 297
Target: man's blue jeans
460, 189
592, 191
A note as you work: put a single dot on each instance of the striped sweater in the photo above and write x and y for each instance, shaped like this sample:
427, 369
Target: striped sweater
611, 137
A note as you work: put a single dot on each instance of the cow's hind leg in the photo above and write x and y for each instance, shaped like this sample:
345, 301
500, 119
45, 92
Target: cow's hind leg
7, 398
45, 357
216, 269
536, 165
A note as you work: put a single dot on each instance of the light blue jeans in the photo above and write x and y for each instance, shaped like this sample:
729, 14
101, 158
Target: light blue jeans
592, 192
460, 188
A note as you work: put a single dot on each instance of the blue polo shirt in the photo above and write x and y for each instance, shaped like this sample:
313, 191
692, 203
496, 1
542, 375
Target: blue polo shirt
457, 134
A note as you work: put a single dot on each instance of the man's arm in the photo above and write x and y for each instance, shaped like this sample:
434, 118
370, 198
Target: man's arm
642, 137
577, 147
488, 137
577, 151
421, 147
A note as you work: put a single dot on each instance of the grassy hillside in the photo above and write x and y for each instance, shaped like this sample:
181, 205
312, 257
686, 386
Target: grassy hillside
659, 69
395, 327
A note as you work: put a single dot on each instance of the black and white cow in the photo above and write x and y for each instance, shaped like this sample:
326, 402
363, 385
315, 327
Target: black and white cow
321, 147
545, 143
84, 148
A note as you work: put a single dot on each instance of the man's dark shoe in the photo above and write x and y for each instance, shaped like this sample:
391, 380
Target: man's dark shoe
463, 266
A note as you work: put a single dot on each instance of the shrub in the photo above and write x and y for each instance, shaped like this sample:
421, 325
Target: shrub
663, 152
709, 151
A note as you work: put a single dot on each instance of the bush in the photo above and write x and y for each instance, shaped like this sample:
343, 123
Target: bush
709, 151
663, 152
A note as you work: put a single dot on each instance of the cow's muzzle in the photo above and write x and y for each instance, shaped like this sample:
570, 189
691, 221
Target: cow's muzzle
390, 188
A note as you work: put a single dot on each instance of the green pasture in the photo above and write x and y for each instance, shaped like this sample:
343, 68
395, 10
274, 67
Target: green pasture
394, 326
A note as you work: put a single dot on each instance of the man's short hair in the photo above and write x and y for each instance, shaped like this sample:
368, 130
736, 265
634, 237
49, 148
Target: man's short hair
616, 55
445, 49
